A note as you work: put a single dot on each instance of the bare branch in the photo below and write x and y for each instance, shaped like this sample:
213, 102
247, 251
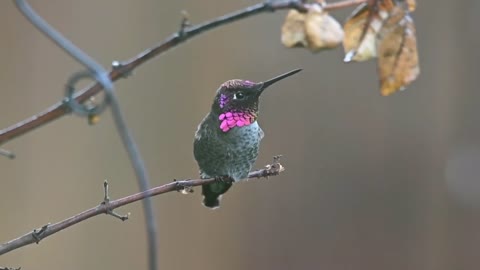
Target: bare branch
121, 69
102, 208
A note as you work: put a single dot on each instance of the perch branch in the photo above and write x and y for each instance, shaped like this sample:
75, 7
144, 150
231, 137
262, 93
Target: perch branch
121, 69
107, 208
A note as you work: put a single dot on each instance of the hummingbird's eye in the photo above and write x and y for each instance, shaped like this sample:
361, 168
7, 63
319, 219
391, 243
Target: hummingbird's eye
238, 95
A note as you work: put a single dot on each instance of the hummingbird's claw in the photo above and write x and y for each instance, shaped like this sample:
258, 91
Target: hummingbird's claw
224, 179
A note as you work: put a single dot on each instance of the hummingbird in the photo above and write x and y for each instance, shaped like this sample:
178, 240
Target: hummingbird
227, 140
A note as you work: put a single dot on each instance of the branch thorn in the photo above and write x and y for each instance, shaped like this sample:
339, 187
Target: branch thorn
184, 23
120, 67
273, 169
37, 234
106, 203
185, 190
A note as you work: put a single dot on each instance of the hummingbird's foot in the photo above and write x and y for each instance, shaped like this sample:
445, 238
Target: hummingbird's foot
106, 203
224, 179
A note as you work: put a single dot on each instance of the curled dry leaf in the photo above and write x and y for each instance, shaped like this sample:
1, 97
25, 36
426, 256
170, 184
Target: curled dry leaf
293, 33
315, 30
322, 30
386, 31
397, 52
359, 42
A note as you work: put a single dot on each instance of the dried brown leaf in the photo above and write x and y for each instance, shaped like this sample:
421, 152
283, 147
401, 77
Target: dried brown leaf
360, 46
397, 52
322, 30
293, 30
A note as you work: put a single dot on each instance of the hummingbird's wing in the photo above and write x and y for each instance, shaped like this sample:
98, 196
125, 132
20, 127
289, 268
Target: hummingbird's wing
260, 133
207, 148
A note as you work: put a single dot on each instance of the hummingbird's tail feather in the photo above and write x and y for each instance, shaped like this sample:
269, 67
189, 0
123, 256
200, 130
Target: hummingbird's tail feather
212, 193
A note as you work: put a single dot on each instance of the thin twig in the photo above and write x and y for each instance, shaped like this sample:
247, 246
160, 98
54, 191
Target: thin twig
341, 4
121, 69
47, 230
101, 75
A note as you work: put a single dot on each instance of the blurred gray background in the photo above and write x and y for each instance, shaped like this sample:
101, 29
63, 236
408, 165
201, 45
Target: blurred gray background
371, 182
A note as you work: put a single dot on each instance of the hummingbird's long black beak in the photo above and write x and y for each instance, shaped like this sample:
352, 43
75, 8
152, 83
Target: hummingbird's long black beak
264, 85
